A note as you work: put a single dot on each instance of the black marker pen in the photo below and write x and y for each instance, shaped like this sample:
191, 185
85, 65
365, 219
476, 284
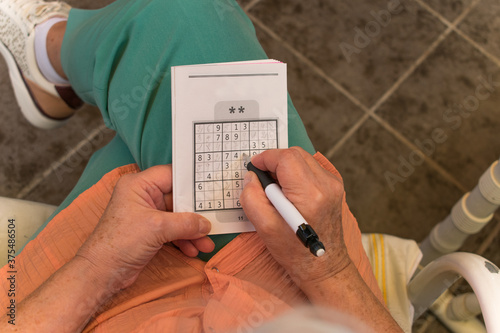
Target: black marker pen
287, 210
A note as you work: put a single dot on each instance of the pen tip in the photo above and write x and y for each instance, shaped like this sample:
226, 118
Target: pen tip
317, 248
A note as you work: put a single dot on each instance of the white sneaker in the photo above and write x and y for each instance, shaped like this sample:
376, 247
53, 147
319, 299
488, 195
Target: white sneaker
18, 19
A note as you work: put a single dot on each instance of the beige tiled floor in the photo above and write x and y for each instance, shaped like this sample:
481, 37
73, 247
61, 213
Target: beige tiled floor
366, 111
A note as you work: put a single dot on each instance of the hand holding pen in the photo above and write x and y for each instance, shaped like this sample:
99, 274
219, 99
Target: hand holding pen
316, 193
287, 210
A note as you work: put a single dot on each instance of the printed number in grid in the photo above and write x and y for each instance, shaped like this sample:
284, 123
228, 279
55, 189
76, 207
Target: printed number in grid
218, 162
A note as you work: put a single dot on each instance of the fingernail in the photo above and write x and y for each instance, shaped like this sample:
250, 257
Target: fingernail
205, 226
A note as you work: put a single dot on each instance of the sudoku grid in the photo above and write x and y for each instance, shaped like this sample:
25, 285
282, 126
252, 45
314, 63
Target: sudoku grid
218, 163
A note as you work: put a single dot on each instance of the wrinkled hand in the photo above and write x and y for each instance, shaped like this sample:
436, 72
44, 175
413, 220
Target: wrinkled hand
137, 223
317, 194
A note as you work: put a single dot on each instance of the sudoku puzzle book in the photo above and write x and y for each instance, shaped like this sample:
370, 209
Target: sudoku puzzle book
220, 112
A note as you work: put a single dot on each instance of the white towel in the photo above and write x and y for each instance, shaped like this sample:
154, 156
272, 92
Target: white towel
394, 261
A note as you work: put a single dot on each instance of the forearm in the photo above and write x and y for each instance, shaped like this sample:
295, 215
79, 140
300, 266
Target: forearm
64, 303
348, 293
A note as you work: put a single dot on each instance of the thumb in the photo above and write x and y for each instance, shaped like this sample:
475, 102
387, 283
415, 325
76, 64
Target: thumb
174, 226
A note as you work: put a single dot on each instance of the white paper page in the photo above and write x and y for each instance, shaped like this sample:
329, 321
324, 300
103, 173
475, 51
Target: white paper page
219, 112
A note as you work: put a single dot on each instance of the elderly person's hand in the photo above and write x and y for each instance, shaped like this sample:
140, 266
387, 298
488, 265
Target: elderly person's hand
136, 224
133, 228
317, 194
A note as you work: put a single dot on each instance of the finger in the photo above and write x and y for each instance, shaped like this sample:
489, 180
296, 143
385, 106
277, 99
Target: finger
150, 185
174, 226
292, 171
192, 247
257, 206
266, 219
186, 247
160, 176
204, 244
268, 223
269, 160
273, 160
283, 162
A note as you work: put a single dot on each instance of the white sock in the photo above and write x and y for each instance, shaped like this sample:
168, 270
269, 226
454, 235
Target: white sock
42, 57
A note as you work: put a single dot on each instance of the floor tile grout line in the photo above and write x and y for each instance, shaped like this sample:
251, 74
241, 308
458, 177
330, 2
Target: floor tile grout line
54, 165
410, 70
329, 154
450, 27
251, 5
443, 20
433, 164
309, 63
462, 34
477, 46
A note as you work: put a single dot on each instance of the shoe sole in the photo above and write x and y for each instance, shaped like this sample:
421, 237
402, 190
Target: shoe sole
24, 98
